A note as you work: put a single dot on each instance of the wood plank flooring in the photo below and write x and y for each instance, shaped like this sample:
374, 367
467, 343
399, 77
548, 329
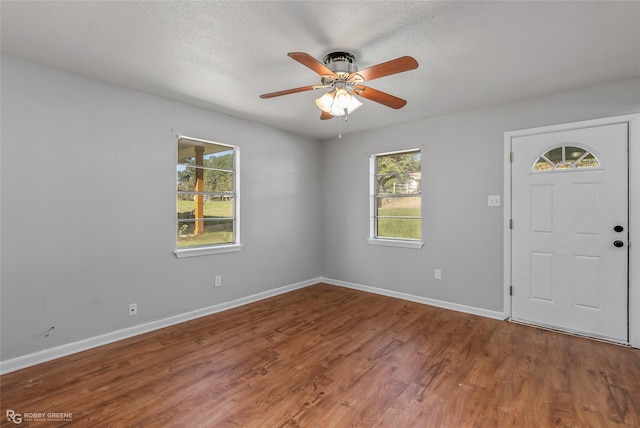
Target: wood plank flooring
327, 356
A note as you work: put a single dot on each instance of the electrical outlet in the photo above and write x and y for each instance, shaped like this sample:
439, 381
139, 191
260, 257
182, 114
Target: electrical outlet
133, 309
218, 281
438, 274
494, 201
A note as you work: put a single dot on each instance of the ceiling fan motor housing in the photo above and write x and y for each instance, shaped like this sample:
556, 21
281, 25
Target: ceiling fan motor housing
341, 63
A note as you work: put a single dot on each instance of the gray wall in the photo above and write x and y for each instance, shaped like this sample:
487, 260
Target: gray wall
462, 163
88, 204
88, 209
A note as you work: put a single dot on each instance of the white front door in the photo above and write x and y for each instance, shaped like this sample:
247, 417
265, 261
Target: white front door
570, 230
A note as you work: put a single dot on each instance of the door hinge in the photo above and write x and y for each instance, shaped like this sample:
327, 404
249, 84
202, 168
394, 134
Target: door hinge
511, 224
510, 156
511, 290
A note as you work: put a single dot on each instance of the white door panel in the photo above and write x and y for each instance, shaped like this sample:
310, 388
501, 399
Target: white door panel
566, 271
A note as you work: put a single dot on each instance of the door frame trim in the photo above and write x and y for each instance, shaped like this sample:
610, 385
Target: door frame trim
633, 121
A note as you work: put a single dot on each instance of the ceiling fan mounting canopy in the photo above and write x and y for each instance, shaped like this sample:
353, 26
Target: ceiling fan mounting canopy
339, 56
339, 72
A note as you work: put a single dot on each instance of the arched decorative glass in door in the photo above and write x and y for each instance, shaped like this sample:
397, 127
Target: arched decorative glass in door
565, 158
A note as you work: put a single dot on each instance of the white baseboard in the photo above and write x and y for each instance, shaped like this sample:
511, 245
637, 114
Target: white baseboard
419, 299
45, 355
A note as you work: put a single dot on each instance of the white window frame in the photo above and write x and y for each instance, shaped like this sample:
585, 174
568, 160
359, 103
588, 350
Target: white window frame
373, 238
217, 248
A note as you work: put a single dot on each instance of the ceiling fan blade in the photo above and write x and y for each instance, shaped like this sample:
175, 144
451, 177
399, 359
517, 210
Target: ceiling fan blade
325, 116
379, 97
398, 65
311, 62
288, 91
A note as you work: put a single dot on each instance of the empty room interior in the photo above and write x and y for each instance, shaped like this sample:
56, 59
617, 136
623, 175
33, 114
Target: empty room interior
320, 214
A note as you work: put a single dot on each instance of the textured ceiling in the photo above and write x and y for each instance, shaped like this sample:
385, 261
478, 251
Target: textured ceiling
223, 55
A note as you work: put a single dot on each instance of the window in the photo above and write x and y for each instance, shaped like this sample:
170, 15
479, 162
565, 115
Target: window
565, 158
396, 199
207, 198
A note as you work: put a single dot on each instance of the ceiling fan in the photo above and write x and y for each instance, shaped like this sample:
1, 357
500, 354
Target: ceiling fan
339, 72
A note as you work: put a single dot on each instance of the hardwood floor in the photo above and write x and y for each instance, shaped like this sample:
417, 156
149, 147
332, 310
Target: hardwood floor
326, 356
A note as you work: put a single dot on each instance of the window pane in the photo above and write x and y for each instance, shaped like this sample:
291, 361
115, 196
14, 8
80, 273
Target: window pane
398, 228
395, 226
555, 155
398, 163
213, 232
399, 183
399, 206
213, 155
589, 161
542, 165
218, 207
572, 154
221, 159
213, 206
212, 181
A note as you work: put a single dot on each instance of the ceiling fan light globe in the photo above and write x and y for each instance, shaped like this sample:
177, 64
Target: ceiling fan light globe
324, 102
344, 103
341, 99
354, 104
348, 107
337, 101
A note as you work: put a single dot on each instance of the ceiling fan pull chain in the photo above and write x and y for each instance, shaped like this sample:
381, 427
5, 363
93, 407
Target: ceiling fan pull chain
339, 127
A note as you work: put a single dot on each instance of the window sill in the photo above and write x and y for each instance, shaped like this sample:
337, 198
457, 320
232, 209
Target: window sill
396, 243
205, 251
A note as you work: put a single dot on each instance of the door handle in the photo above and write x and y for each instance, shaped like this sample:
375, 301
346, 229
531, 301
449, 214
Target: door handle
618, 229
618, 244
